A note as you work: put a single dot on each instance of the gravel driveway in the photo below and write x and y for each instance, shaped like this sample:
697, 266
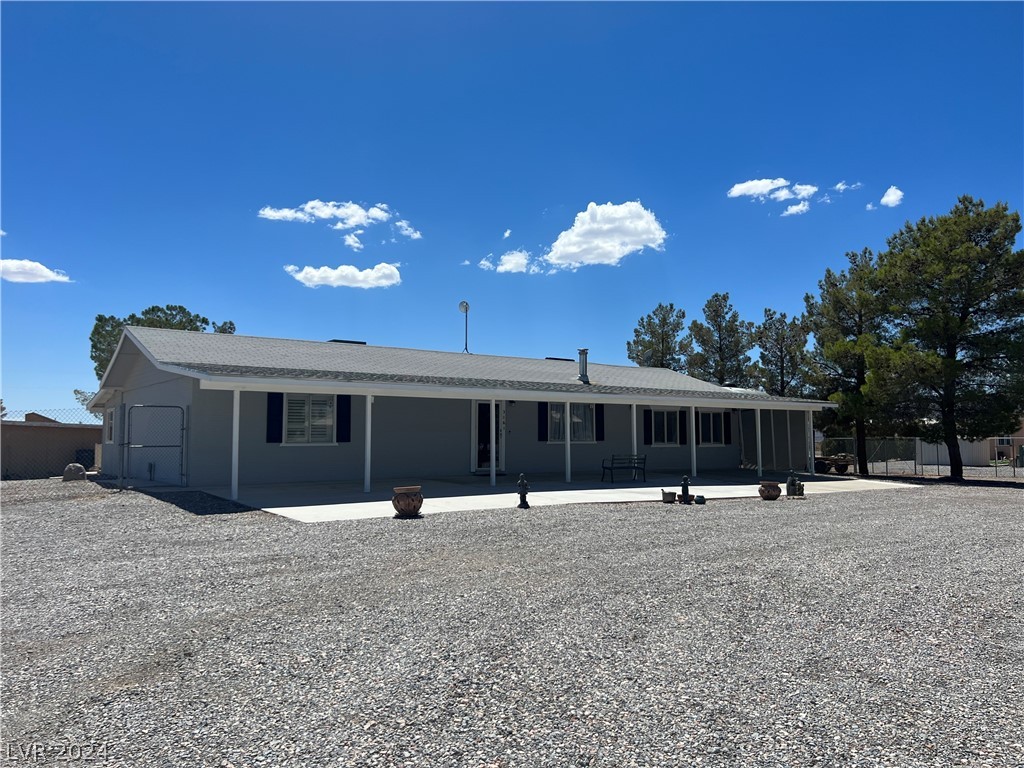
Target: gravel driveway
875, 629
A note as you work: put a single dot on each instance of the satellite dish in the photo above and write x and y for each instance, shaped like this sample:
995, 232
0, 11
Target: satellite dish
463, 307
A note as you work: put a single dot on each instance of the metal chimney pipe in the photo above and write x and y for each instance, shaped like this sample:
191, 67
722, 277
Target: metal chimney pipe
583, 366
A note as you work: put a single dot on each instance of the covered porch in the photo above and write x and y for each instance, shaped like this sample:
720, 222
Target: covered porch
376, 437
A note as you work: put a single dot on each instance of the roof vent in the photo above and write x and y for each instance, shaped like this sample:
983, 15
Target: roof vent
347, 341
583, 366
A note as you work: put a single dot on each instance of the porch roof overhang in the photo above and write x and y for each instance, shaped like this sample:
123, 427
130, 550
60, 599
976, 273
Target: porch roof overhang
271, 380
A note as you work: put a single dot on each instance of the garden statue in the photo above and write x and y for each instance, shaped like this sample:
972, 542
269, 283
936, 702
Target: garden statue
524, 488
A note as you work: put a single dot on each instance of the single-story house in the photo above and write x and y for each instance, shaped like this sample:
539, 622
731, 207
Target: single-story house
207, 409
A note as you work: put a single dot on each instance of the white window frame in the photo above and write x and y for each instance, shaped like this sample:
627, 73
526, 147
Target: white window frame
714, 417
1002, 442
575, 439
308, 438
108, 426
666, 415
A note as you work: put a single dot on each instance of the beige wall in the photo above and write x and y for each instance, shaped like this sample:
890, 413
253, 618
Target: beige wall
33, 449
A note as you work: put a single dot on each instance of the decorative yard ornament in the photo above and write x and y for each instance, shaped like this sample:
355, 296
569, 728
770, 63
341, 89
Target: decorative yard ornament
524, 488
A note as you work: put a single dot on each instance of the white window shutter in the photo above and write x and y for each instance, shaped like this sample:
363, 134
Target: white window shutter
296, 423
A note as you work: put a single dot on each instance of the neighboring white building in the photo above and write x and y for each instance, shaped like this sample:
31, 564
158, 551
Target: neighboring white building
208, 409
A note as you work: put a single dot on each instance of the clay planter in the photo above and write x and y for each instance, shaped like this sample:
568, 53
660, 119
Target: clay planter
769, 490
407, 501
669, 497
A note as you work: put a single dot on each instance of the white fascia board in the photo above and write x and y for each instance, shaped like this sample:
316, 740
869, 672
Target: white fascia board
434, 391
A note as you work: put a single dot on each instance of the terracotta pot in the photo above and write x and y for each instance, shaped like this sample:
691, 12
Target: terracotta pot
407, 500
769, 490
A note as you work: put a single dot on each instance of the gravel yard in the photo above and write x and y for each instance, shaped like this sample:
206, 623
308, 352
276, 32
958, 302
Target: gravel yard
875, 629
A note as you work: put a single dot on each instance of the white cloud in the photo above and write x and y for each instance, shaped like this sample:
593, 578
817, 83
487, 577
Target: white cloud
486, 263
508, 233
803, 191
25, 271
842, 186
406, 229
2, 233
283, 214
464, 263
893, 196
869, 207
350, 215
605, 234
796, 210
756, 187
782, 194
825, 199
352, 240
381, 276
514, 261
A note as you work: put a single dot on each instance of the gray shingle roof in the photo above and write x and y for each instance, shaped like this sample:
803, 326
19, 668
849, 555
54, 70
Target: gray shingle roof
234, 356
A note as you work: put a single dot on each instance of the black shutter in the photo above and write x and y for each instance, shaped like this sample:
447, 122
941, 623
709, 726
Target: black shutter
684, 416
275, 417
696, 425
343, 419
599, 421
648, 426
727, 427
542, 422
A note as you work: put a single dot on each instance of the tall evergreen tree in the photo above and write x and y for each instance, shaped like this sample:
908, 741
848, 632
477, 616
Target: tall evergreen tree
106, 332
658, 340
955, 290
847, 320
724, 343
783, 344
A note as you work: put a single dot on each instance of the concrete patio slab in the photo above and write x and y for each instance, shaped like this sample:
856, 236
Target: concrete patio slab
325, 502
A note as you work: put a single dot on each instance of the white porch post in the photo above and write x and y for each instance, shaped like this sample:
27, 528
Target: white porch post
494, 456
632, 418
567, 425
235, 409
757, 431
789, 439
775, 458
809, 429
692, 427
367, 444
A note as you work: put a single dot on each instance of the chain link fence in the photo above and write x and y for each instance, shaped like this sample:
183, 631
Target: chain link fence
40, 444
993, 458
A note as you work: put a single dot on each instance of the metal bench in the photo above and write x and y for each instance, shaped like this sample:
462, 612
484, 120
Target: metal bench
631, 461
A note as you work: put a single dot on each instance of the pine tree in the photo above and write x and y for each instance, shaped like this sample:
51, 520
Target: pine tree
955, 289
783, 343
847, 321
658, 341
724, 342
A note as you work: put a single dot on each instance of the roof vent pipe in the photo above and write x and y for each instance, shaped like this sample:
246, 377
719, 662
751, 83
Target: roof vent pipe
583, 366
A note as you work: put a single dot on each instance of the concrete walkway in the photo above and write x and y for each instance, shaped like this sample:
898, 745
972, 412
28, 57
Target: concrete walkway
323, 502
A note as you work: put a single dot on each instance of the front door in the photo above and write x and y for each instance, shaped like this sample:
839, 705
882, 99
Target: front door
482, 434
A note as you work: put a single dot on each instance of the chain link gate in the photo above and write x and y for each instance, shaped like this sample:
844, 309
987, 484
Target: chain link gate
154, 449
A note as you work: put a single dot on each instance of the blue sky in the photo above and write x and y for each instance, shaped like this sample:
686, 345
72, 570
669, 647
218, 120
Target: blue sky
562, 167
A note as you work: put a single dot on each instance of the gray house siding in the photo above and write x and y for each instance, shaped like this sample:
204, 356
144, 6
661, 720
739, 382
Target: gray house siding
147, 386
413, 438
